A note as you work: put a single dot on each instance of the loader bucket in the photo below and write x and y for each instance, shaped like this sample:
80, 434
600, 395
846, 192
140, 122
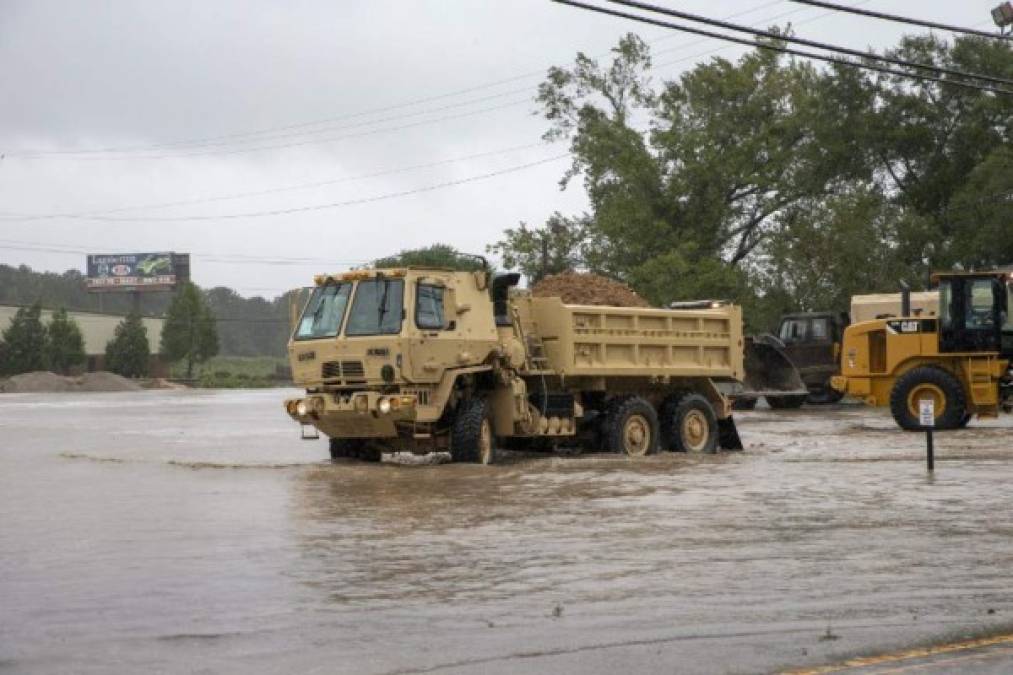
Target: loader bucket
768, 369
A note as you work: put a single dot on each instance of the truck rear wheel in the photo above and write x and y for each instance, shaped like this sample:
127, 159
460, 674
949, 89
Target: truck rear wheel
927, 383
689, 424
472, 438
632, 428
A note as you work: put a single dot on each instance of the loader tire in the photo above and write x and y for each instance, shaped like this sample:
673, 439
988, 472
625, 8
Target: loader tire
688, 424
928, 382
786, 402
471, 437
632, 427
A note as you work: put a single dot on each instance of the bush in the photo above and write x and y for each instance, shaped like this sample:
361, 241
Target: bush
127, 353
66, 344
25, 342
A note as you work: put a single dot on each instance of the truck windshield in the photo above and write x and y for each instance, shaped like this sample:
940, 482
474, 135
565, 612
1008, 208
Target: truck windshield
324, 312
378, 307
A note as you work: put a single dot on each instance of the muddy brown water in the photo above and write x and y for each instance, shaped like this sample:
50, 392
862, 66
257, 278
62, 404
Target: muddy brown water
193, 531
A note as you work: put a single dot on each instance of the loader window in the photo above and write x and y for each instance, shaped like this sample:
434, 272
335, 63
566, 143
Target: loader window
429, 307
324, 312
978, 305
378, 307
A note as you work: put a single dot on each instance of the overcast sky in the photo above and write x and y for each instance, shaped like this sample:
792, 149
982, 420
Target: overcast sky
112, 105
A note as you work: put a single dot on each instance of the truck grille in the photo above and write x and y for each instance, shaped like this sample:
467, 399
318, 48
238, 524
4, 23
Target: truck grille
352, 372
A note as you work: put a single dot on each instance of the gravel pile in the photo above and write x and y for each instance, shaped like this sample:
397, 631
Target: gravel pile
588, 289
43, 382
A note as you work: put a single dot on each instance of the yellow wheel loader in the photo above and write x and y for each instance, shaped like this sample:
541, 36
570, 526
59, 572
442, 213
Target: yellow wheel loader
958, 360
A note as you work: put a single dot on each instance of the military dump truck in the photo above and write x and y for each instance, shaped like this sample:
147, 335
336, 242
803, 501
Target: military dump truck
421, 360
958, 360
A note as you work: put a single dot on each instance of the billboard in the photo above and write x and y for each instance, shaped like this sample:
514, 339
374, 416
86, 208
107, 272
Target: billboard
137, 271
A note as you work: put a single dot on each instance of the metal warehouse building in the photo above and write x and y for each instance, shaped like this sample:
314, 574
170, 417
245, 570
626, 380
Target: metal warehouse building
98, 329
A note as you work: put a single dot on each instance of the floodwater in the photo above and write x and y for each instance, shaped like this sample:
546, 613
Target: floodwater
194, 532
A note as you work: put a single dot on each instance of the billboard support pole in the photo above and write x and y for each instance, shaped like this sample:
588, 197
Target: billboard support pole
135, 302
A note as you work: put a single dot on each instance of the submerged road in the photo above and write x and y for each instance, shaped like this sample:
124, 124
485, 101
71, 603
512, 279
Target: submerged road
194, 532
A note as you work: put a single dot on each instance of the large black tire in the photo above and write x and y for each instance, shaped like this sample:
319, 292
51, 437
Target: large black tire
602, 442
689, 424
786, 402
825, 396
471, 437
631, 427
744, 403
353, 448
928, 382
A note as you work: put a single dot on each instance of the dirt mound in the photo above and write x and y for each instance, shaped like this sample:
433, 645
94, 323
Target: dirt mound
106, 381
588, 289
43, 382
39, 381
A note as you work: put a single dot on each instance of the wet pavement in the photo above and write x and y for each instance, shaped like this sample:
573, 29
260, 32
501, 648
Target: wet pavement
194, 532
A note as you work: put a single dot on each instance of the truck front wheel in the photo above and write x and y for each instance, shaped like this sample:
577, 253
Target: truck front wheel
353, 448
472, 438
632, 428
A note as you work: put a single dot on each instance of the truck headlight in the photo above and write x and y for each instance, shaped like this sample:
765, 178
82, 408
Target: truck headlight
383, 405
300, 408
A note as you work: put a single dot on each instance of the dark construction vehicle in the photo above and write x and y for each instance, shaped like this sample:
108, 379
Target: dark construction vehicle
812, 342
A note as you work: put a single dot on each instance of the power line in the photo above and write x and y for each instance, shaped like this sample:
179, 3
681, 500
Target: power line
808, 43
86, 153
330, 205
270, 191
783, 50
901, 19
42, 247
304, 125
811, 19
293, 144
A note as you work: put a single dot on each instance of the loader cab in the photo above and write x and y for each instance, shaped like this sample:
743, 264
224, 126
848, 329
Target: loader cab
974, 313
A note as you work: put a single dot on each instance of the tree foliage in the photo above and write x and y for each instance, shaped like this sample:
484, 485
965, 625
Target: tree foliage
66, 344
25, 342
127, 354
436, 255
189, 333
774, 182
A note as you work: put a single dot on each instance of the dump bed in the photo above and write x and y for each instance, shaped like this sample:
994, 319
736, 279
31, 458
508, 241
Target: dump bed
594, 341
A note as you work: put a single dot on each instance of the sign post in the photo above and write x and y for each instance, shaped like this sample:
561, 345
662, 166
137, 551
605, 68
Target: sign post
927, 419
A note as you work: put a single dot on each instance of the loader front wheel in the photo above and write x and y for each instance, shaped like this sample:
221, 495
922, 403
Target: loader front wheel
472, 438
927, 383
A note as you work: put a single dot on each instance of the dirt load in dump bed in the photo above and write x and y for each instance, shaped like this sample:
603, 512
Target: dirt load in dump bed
588, 289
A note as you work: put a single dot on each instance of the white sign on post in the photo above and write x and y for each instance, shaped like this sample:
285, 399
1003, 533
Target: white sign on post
927, 412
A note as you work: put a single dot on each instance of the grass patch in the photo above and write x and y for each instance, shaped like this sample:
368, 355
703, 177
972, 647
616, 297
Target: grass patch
238, 372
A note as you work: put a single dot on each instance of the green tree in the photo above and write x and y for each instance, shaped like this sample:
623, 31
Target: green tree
436, 255
536, 252
25, 342
127, 353
189, 332
66, 344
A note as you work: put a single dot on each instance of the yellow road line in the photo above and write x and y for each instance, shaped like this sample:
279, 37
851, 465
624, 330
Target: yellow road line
923, 652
